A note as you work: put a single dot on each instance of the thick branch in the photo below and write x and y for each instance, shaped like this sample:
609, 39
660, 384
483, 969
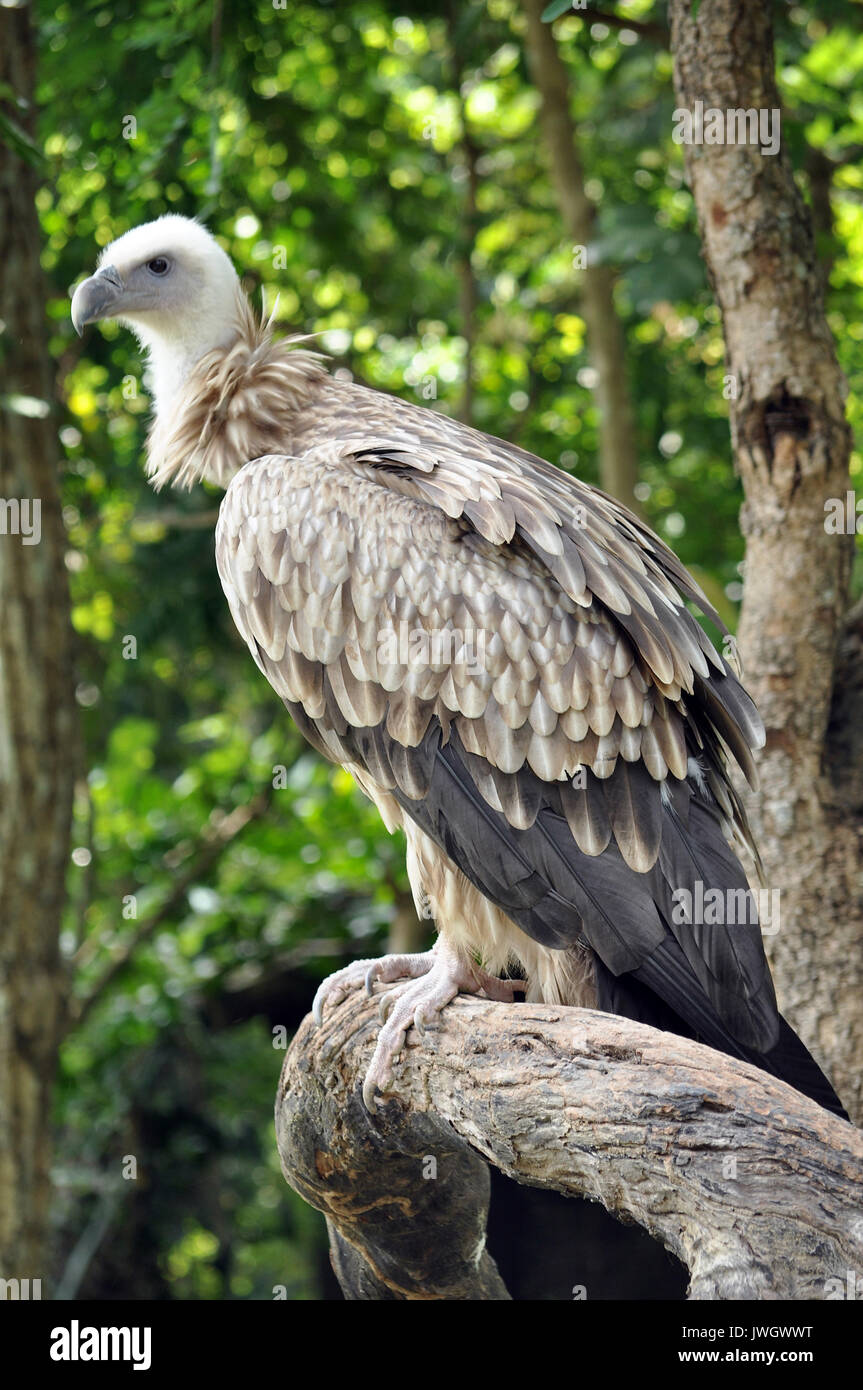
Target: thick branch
753, 1186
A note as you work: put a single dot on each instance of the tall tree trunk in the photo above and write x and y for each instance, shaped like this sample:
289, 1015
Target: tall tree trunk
37, 712
618, 459
791, 443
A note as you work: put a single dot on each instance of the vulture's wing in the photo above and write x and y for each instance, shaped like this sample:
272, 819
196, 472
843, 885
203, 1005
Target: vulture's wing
551, 753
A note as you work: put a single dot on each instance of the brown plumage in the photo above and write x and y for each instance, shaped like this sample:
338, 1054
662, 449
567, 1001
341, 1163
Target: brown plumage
502, 656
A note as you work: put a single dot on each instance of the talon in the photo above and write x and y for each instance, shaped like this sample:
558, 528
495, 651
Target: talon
370, 1097
323, 997
423, 1023
424, 984
374, 1092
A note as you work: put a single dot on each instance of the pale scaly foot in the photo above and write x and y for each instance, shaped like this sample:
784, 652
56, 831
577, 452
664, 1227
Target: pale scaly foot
387, 969
427, 983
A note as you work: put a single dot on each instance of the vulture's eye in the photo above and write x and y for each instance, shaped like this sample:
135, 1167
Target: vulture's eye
159, 266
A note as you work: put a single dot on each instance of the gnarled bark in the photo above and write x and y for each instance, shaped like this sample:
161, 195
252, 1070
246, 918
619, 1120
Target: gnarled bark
753, 1186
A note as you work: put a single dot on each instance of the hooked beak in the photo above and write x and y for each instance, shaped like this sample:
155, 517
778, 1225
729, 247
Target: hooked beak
96, 298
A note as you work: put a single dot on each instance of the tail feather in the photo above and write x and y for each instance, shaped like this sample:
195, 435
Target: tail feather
788, 1059
792, 1061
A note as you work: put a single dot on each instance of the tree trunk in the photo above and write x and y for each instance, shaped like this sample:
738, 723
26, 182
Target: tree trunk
791, 444
618, 462
753, 1186
37, 711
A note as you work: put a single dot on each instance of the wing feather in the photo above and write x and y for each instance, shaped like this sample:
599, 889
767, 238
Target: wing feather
546, 747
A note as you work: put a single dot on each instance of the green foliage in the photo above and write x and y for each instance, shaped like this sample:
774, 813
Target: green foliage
325, 144
555, 10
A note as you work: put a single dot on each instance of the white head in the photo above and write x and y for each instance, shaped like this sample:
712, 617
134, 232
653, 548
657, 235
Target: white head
172, 284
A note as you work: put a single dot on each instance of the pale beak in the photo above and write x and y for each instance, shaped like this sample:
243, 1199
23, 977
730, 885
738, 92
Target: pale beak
96, 298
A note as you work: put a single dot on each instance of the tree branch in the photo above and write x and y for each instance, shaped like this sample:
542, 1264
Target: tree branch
178, 520
646, 29
754, 1187
618, 461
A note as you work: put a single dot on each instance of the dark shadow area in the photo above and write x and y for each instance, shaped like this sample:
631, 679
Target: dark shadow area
551, 1247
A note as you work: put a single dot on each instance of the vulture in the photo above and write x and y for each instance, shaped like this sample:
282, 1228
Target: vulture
503, 657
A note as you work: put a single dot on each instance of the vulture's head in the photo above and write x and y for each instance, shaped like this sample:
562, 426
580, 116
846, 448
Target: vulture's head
172, 284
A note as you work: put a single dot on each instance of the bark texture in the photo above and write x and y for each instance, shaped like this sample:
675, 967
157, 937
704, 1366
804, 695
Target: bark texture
37, 712
791, 444
605, 341
755, 1188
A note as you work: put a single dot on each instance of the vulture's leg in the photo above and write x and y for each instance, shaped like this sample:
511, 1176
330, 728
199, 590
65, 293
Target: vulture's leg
415, 1003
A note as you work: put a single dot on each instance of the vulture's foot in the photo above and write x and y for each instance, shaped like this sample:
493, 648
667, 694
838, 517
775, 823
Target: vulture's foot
424, 989
387, 969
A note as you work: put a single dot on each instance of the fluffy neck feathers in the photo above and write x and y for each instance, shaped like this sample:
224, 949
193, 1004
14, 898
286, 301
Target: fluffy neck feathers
233, 404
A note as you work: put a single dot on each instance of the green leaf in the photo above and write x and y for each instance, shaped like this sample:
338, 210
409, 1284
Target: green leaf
555, 10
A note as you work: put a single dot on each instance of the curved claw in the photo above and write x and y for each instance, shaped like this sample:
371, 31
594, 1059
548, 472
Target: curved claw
323, 997
375, 1085
336, 988
385, 1007
329, 997
422, 1024
370, 1096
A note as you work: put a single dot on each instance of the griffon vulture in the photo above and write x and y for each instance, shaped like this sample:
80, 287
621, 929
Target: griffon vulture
500, 655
